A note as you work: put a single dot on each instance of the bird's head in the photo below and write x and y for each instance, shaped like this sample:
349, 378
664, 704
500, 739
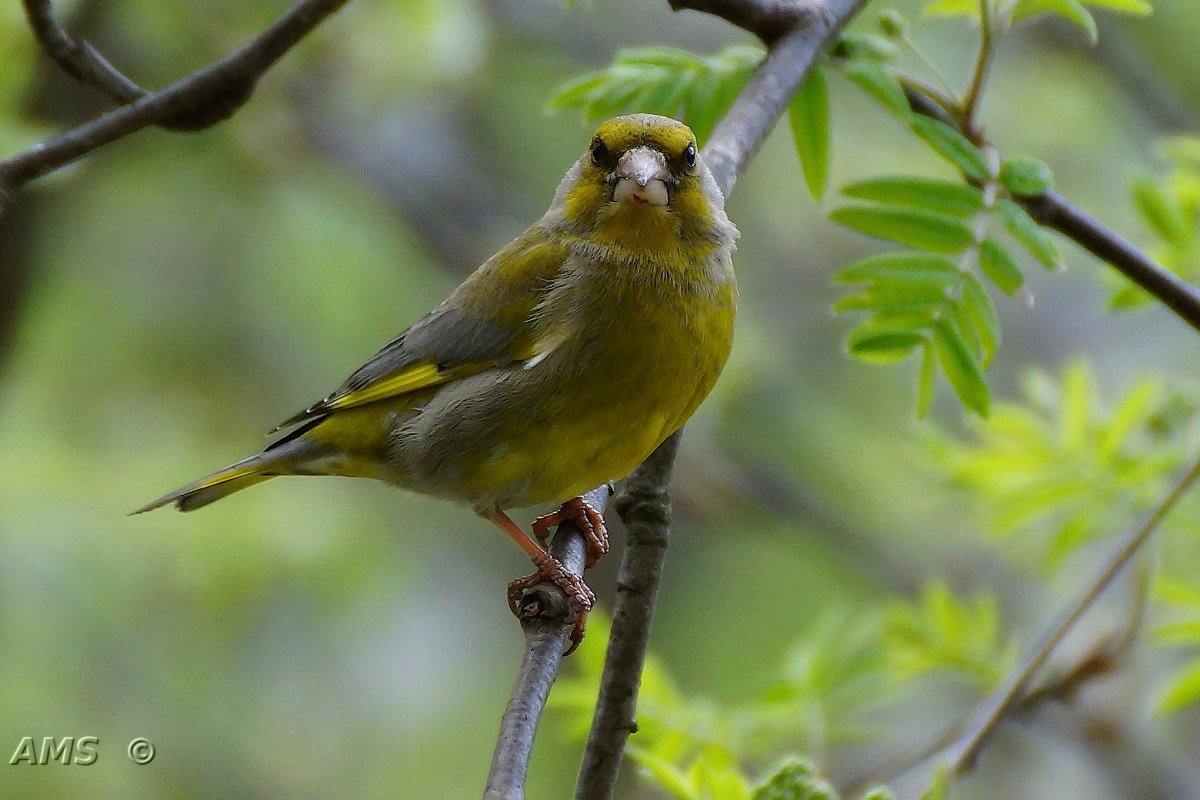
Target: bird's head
642, 183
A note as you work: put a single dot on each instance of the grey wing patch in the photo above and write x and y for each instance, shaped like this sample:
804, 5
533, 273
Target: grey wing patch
444, 337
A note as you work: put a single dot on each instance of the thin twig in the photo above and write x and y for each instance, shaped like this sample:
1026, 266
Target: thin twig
199, 100
1103, 658
78, 58
547, 622
1057, 212
983, 64
1053, 210
960, 756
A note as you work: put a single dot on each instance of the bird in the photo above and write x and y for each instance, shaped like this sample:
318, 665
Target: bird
558, 365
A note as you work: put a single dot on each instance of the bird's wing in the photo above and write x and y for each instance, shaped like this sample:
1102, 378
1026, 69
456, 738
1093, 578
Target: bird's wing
486, 322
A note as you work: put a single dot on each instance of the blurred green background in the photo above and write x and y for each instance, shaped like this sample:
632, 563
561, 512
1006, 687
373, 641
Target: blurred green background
165, 303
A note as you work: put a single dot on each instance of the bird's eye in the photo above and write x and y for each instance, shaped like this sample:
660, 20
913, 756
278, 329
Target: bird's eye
689, 155
599, 152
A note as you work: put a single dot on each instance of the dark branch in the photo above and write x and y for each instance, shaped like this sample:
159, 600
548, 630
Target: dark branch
1060, 214
78, 58
645, 508
201, 99
1057, 212
769, 20
547, 622
791, 55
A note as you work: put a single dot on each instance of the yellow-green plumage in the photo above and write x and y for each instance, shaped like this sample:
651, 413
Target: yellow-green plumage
561, 363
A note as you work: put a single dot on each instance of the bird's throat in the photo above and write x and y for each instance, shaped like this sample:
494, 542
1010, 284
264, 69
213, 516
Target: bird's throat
641, 226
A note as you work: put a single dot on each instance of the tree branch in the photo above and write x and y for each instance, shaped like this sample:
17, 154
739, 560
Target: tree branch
738, 135
645, 508
769, 20
1052, 209
645, 504
197, 101
983, 64
546, 619
1057, 212
78, 58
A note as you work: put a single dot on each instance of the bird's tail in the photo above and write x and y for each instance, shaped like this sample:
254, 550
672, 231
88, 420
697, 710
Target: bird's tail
234, 478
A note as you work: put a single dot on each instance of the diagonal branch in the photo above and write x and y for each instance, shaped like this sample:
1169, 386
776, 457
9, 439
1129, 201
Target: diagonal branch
546, 620
78, 58
197, 101
1059, 213
965, 752
1019, 694
645, 508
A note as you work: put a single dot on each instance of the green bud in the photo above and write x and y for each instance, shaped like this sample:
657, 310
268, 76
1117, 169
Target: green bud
893, 23
1025, 177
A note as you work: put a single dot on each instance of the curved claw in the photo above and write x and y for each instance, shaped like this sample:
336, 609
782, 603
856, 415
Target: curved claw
589, 520
579, 596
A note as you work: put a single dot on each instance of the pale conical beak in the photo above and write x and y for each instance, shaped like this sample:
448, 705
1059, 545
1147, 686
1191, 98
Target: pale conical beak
642, 178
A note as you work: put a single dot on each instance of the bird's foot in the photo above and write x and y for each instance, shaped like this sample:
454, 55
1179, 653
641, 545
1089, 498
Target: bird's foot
579, 596
589, 520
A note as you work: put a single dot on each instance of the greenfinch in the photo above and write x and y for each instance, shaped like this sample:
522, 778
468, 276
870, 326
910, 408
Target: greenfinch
560, 364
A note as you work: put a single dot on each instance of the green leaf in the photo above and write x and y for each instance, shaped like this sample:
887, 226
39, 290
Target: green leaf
809, 114
663, 80
939, 789
1025, 177
903, 295
942, 633
1030, 234
879, 82
795, 780
952, 8
956, 313
925, 381
1129, 296
857, 46
952, 146
948, 197
960, 368
664, 773
879, 793
1182, 692
664, 98
1077, 397
918, 228
1057, 466
982, 314
1183, 632
893, 24
1161, 212
913, 308
1137, 7
901, 266
999, 267
1137, 407
881, 345
1071, 10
